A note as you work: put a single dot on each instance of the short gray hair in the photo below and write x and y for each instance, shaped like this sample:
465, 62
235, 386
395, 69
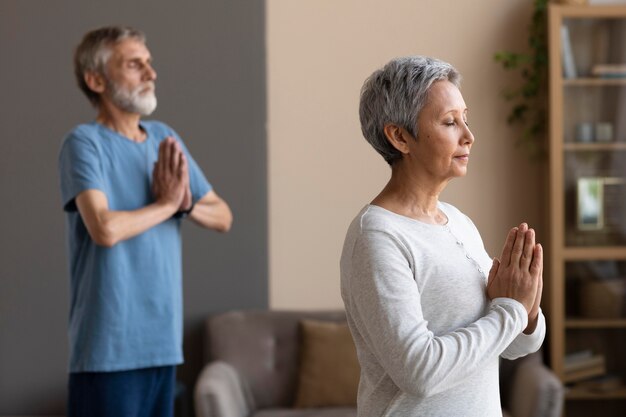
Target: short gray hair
396, 94
94, 51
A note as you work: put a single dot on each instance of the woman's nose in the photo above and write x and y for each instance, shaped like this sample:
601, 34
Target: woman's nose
468, 136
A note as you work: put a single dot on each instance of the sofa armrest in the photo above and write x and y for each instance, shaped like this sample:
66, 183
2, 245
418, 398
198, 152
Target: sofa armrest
220, 392
535, 391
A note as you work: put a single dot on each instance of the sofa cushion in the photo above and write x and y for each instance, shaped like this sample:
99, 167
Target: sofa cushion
263, 346
328, 369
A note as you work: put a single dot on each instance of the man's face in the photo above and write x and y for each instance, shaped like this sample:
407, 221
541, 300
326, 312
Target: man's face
130, 78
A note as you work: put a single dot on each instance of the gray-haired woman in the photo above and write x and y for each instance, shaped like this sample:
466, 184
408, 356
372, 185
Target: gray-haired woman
429, 311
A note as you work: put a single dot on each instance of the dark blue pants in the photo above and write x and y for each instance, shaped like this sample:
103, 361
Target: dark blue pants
145, 392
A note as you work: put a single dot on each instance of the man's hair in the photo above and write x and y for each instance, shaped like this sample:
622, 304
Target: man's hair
395, 94
94, 51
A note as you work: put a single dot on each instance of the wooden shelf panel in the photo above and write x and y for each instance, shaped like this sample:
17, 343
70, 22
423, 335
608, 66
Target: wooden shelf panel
595, 323
582, 394
610, 146
594, 253
594, 82
589, 12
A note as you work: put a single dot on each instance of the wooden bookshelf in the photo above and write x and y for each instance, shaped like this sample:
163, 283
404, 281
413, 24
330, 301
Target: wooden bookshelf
572, 259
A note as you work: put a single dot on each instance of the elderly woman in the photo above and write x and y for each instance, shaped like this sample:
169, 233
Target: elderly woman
429, 311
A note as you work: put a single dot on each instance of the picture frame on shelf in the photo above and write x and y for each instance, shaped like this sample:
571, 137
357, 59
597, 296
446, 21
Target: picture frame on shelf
590, 203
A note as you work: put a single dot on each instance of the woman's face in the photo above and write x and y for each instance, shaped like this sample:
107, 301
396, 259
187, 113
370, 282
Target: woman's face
443, 140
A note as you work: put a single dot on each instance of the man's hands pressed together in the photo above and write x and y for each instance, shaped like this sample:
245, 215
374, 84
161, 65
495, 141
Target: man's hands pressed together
518, 274
171, 188
170, 176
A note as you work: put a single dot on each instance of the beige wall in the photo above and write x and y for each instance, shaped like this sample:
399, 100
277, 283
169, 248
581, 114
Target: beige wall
321, 170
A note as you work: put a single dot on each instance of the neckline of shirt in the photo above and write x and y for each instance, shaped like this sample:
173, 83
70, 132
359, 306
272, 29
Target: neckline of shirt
117, 135
440, 206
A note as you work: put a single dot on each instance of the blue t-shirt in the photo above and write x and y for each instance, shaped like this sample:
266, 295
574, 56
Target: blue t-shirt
126, 301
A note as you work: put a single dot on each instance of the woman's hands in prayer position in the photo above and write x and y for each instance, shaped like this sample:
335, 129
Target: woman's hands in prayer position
518, 274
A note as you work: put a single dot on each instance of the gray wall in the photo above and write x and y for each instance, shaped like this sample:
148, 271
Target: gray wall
210, 59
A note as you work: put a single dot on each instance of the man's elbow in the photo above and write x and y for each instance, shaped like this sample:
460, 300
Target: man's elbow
225, 225
226, 219
103, 236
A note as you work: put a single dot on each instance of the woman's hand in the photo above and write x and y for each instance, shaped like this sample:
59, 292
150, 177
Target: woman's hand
518, 272
533, 316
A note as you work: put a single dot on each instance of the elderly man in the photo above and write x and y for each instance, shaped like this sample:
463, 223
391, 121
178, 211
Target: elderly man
126, 185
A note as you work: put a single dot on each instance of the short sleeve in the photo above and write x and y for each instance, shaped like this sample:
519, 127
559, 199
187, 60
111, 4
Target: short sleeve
79, 169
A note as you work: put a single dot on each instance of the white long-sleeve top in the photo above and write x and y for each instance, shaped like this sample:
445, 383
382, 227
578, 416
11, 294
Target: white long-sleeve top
427, 337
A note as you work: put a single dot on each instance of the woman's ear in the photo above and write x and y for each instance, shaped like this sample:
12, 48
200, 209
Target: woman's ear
95, 82
398, 137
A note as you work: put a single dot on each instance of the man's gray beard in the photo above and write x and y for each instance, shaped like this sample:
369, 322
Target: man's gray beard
133, 101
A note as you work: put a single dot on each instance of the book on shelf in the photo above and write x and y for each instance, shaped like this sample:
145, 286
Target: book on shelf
601, 384
583, 365
609, 70
590, 362
585, 373
567, 55
578, 356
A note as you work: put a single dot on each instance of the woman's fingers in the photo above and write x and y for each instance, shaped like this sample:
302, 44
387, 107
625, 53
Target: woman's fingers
536, 266
539, 287
527, 252
505, 257
493, 272
518, 246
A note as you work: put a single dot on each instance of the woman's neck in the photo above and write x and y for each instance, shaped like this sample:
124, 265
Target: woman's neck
412, 195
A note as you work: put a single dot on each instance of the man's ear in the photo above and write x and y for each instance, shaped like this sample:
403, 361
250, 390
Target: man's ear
95, 82
398, 137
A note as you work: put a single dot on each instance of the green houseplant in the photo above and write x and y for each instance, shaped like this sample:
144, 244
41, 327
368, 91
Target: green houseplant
529, 98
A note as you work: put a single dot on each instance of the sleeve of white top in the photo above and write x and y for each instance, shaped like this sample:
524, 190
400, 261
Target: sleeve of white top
525, 344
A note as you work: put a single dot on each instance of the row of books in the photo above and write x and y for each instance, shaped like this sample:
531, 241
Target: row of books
599, 70
609, 70
583, 365
587, 370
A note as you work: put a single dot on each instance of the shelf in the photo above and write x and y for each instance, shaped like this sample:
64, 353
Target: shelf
594, 82
583, 394
588, 12
582, 253
595, 323
595, 146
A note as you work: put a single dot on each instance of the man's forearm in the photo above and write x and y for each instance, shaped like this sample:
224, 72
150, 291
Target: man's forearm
214, 215
108, 227
117, 226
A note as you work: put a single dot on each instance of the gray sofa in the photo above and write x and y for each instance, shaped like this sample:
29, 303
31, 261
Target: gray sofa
252, 371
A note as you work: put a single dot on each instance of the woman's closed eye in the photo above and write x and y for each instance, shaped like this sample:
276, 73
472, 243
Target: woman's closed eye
451, 123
